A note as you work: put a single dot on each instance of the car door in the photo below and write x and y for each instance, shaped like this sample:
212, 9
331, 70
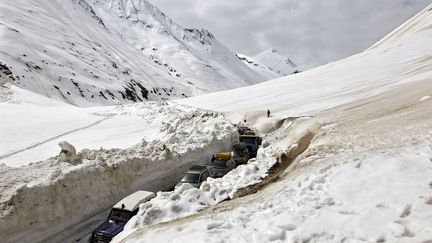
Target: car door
204, 176
231, 164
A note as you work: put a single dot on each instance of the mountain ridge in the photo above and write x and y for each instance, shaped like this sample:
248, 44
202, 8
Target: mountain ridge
93, 52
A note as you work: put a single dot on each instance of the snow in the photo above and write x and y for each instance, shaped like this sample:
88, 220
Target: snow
330, 85
364, 176
418, 23
376, 206
276, 62
346, 154
182, 137
33, 126
424, 98
88, 52
259, 67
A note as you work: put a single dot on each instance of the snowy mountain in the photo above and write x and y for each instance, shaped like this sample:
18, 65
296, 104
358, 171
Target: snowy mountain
88, 52
277, 62
258, 67
345, 157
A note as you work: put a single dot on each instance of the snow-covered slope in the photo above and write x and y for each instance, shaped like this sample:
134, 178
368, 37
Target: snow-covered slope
420, 22
365, 176
350, 141
277, 62
110, 52
259, 67
389, 66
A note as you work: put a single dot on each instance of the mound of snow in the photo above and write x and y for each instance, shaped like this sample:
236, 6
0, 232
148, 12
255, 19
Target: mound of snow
42, 199
186, 200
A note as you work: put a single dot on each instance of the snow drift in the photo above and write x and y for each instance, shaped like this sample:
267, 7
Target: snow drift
45, 198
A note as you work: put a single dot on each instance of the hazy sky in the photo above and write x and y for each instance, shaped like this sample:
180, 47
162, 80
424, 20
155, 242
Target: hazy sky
308, 31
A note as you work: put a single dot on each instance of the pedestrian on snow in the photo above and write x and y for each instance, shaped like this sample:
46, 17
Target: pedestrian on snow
213, 158
268, 113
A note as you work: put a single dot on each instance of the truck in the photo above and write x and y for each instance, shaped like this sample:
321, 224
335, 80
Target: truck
120, 214
252, 143
222, 164
240, 153
245, 131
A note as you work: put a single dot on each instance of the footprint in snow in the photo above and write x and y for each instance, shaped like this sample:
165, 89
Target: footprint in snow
428, 200
358, 165
288, 227
406, 211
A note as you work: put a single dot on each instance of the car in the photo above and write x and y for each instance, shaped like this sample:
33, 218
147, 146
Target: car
120, 214
196, 175
245, 131
222, 164
240, 153
252, 142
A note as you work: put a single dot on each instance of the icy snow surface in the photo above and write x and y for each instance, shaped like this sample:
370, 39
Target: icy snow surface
365, 177
365, 174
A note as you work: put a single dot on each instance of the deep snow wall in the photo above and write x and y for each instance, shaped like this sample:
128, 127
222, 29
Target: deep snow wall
41, 200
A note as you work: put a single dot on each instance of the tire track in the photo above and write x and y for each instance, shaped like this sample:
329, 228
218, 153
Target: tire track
4, 156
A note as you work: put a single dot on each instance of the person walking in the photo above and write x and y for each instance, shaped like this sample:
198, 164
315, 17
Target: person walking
268, 113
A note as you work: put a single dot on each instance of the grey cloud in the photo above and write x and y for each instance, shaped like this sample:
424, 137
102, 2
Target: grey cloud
308, 31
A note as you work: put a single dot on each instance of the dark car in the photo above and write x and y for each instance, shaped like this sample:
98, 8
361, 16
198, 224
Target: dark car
252, 143
222, 164
120, 214
196, 175
240, 154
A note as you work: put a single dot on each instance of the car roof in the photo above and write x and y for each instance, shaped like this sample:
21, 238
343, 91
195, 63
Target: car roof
219, 160
249, 136
133, 201
197, 169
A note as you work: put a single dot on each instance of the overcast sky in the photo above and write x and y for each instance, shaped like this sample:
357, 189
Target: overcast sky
307, 31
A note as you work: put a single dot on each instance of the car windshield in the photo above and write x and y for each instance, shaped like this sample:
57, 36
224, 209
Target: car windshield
219, 163
248, 140
120, 215
190, 178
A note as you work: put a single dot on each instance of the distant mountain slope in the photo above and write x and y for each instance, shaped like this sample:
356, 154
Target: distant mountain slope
110, 52
259, 67
277, 62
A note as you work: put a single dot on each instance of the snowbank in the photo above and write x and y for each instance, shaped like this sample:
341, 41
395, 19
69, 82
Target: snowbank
42, 199
186, 200
385, 203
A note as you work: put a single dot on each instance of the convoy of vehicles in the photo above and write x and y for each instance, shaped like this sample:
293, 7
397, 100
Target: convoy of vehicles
120, 214
221, 164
